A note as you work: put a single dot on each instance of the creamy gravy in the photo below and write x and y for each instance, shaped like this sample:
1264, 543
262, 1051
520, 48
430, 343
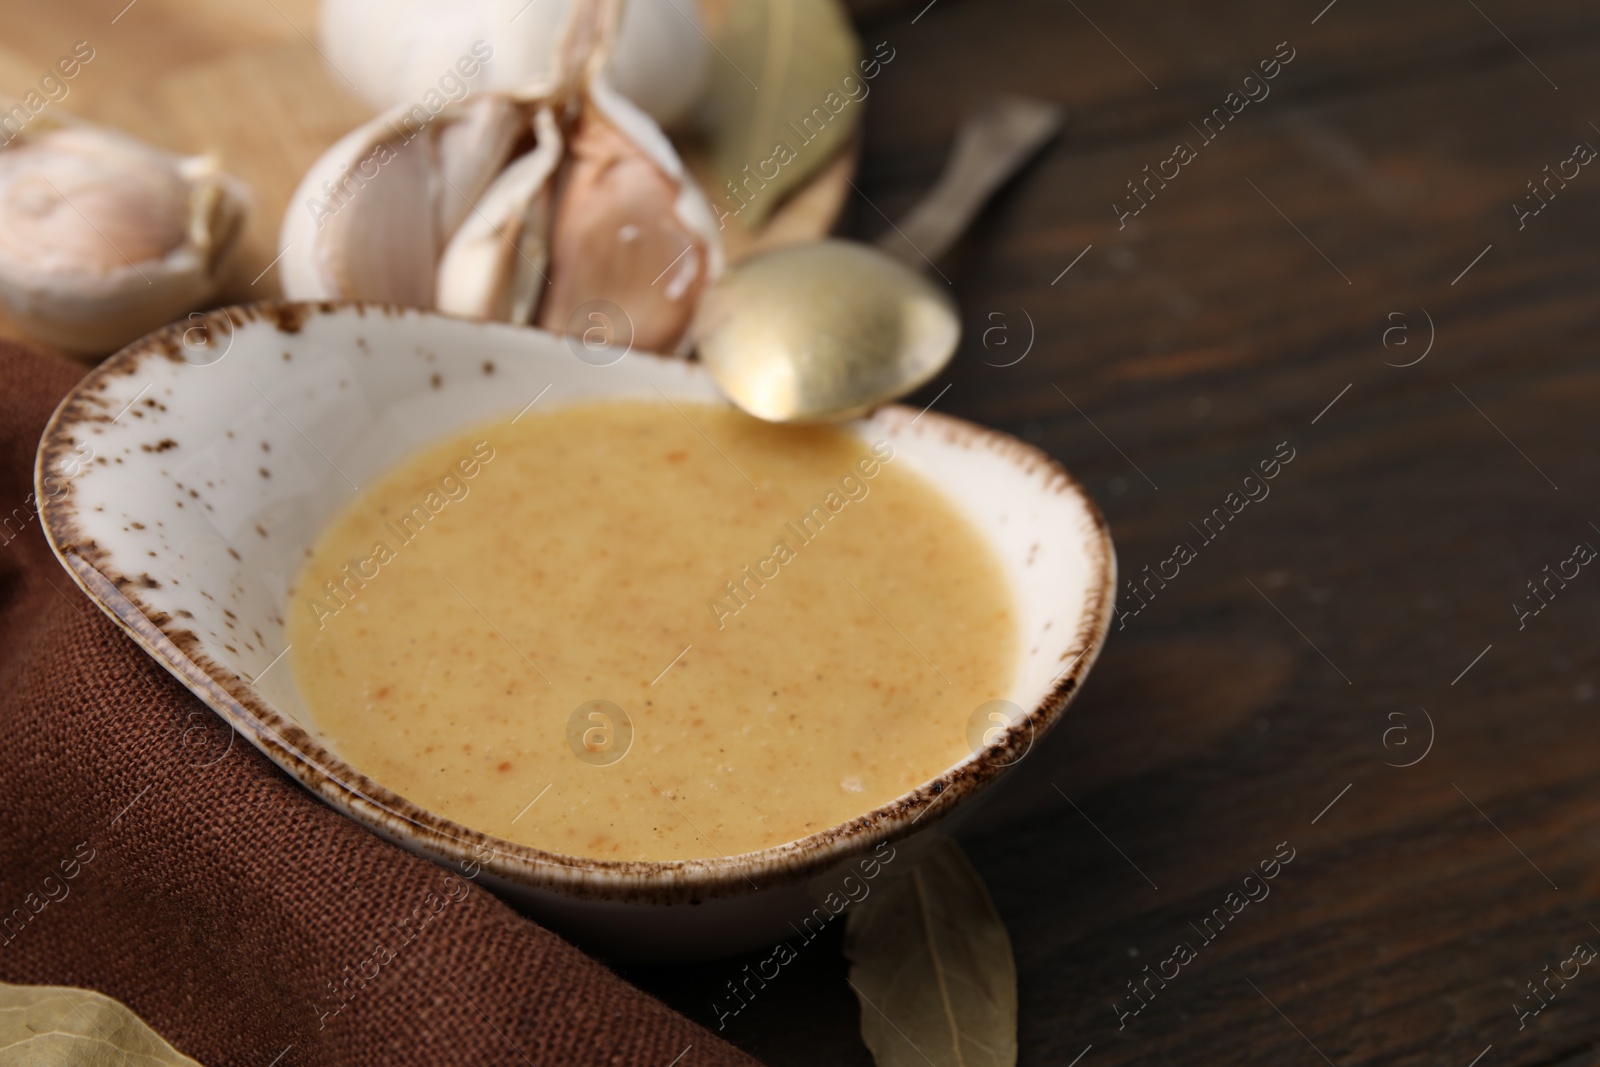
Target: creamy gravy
775, 628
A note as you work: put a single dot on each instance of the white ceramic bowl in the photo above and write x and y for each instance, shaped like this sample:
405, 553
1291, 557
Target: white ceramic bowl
222, 445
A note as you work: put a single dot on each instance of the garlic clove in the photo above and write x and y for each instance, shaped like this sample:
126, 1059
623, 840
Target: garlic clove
471, 150
494, 266
381, 239
81, 204
103, 238
629, 228
363, 222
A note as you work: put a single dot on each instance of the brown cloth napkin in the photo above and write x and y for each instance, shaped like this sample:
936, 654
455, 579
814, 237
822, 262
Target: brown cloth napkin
248, 923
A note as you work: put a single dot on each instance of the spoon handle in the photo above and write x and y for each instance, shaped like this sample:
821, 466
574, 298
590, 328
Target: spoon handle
991, 146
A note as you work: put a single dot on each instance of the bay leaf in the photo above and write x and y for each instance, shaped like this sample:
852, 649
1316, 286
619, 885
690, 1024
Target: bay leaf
776, 103
931, 963
62, 1026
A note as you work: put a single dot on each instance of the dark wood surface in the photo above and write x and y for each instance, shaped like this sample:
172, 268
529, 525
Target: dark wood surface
1258, 686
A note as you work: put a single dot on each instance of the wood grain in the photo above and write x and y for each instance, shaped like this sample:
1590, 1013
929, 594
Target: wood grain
1190, 344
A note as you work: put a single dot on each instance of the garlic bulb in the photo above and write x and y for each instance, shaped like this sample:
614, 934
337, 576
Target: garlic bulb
104, 238
401, 50
528, 206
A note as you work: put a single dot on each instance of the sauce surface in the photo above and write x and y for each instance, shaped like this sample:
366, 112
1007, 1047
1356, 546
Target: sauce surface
642, 631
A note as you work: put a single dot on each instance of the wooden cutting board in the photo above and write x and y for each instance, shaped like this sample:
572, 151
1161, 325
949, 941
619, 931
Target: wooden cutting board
245, 82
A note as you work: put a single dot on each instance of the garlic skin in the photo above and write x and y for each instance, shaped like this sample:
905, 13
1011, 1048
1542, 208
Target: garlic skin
494, 266
104, 238
516, 207
399, 50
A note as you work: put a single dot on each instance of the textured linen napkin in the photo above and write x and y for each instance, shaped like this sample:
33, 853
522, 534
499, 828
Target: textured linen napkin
149, 854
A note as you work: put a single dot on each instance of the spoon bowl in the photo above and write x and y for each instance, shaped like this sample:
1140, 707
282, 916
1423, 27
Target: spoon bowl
824, 330
831, 329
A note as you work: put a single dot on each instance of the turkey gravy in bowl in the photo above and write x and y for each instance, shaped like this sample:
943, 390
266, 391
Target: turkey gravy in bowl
636, 630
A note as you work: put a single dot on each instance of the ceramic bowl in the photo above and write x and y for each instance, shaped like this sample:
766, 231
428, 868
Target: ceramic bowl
183, 481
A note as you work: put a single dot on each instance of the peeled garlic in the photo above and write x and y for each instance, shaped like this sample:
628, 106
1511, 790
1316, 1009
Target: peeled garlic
628, 230
103, 238
523, 206
402, 51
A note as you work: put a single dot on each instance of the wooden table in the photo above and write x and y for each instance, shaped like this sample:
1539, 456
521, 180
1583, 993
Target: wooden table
1265, 694
1340, 269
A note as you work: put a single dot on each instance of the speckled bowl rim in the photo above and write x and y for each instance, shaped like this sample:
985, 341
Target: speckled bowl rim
635, 881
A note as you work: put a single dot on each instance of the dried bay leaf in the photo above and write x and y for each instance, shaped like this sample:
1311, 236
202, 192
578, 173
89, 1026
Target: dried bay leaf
778, 109
931, 963
61, 1026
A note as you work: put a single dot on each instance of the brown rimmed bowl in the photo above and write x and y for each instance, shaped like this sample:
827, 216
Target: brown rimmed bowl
182, 481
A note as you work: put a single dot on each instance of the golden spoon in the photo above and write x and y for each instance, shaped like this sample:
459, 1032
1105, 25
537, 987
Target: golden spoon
829, 329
